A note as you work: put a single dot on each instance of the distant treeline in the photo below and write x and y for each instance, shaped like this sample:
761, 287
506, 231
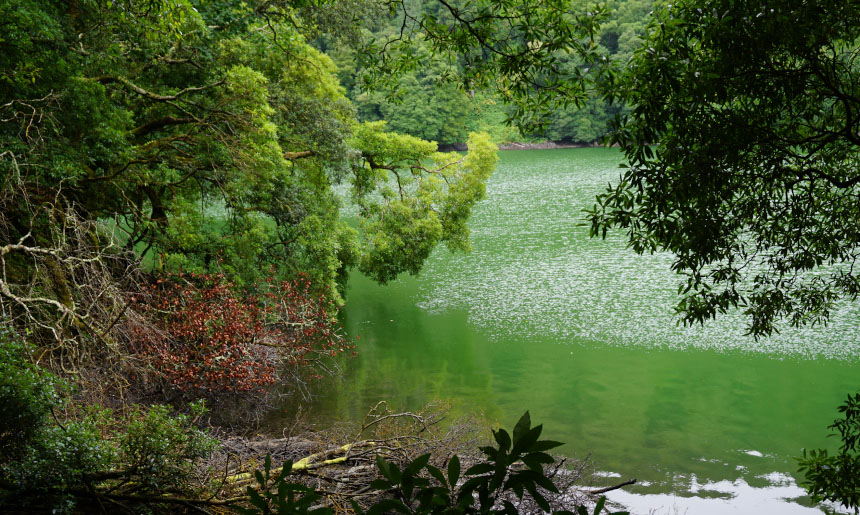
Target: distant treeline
425, 104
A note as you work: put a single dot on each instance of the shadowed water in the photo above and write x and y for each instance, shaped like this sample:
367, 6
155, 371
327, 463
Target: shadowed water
580, 332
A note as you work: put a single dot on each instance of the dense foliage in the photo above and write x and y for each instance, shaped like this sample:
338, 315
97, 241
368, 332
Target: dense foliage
46, 464
213, 139
209, 338
205, 136
26, 396
451, 77
743, 155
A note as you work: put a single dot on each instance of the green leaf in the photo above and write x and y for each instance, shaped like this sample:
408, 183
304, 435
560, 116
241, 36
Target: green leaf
524, 444
286, 469
599, 506
437, 475
522, 426
387, 505
384, 468
535, 460
453, 470
491, 452
502, 439
257, 500
380, 484
480, 468
417, 464
539, 499
545, 445
545, 483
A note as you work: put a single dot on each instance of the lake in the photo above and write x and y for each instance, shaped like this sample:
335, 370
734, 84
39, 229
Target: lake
581, 332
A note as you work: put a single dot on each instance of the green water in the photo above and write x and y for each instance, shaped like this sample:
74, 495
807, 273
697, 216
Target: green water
580, 332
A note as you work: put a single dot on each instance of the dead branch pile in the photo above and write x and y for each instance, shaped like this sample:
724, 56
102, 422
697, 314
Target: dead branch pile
344, 471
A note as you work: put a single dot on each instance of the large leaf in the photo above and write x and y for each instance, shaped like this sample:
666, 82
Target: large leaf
417, 464
522, 426
453, 470
525, 442
503, 439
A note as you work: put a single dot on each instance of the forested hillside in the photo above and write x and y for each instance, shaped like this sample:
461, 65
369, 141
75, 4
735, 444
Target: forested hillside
429, 103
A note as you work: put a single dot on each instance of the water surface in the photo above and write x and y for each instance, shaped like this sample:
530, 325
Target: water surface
580, 332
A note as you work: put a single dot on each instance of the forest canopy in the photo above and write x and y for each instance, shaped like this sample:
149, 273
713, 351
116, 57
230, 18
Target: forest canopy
208, 137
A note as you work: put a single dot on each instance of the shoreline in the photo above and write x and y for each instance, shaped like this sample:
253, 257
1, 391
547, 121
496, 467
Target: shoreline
544, 145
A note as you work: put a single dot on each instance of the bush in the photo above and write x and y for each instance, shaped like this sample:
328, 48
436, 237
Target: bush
216, 340
62, 464
61, 460
26, 396
160, 451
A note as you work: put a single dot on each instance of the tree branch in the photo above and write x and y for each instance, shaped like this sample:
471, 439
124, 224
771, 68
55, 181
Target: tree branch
154, 96
160, 123
298, 155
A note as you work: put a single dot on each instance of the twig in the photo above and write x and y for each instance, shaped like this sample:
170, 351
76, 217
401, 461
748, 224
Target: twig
611, 488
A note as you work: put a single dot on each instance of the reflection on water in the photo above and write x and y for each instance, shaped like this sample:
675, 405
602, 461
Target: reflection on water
780, 496
580, 332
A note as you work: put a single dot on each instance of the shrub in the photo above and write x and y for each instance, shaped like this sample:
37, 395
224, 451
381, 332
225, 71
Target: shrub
26, 396
216, 340
153, 453
61, 459
159, 451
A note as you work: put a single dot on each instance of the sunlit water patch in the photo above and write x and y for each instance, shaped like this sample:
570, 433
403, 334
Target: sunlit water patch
534, 270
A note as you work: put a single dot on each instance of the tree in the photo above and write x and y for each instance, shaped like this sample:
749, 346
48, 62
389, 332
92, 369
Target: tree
518, 48
424, 197
743, 156
197, 136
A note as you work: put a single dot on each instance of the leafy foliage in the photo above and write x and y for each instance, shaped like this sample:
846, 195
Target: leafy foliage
26, 396
460, 86
57, 464
207, 136
837, 477
513, 46
411, 198
160, 451
743, 155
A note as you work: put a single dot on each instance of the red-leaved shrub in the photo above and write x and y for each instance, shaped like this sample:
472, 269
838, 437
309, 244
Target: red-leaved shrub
214, 339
